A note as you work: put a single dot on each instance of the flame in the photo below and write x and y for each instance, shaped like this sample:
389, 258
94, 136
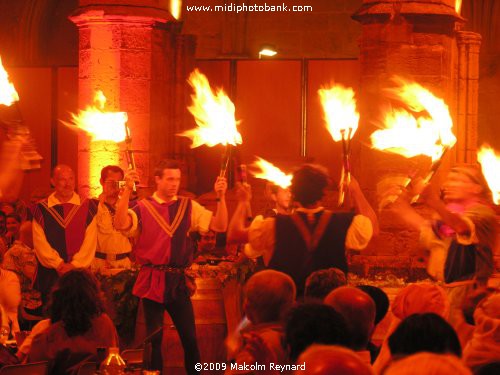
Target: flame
8, 93
99, 124
214, 115
175, 8
409, 136
339, 106
272, 173
490, 164
458, 6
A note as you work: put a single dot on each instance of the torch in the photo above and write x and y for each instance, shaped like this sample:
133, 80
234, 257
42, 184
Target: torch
106, 129
214, 115
16, 129
341, 119
426, 131
490, 165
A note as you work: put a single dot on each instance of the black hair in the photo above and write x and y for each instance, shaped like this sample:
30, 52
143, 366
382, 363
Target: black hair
308, 184
314, 323
427, 332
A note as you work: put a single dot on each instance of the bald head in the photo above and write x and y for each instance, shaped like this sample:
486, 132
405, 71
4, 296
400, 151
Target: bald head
268, 295
358, 310
329, 359
63, 179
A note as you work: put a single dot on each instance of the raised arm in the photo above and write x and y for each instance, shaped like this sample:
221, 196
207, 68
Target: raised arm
362, 205
237, 232
219, 220
122, 219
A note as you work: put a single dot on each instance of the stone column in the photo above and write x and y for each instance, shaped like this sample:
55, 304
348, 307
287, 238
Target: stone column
122, 52
415, 40
468, 44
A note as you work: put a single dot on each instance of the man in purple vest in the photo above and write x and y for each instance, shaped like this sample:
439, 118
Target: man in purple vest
164, 252
310, 239
64, 231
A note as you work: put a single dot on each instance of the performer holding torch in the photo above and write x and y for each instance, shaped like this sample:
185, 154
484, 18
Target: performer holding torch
460, 236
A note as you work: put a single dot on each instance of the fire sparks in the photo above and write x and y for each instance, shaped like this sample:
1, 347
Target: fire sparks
408, 135
490, 164
272, 173
341, 115
99, 124
214, 115
8, 93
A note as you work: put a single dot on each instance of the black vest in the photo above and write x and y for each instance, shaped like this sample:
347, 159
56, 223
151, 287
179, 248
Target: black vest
292, 256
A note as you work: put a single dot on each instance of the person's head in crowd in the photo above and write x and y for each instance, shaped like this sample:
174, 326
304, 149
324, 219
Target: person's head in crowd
280, 197
308, 185
75, 301
26, 234
427, 332
332, 359
63, 180
466, 183
7, 208
13, 224
168, 178
322, 282
420, 298
358, 310
207, 241
492, 368
3, 223
111, 175
428, 364
484, 346
380, 298
269, 294
314, 323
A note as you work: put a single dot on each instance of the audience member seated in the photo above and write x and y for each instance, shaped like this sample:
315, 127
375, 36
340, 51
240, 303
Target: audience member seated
358, 310
269, 295
484, 347
428, 364
10, 295
322, 282
13, 224
330, 359
314, 323
381, 307
78, 323
417, 298
21, 259
424, 333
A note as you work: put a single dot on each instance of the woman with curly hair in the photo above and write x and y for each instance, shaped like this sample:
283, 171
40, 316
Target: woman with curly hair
79, 324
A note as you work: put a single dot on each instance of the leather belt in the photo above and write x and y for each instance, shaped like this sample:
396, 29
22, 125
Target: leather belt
111, 257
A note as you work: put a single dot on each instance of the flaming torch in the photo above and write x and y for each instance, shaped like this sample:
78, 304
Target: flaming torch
106, 130
16, 129
490, 164
428, 134
214, 115
342, 120
271, 173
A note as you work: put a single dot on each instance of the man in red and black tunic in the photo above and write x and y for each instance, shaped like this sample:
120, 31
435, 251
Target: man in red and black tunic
164, 252
64, 231
310, 239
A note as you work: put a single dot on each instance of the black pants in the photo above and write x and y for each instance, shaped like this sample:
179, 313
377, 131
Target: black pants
181, 312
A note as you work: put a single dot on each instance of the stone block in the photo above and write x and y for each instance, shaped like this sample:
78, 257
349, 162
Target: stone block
135, 37
135, 64
135, 95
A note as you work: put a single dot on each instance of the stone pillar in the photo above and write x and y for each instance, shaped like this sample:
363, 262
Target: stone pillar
468, 44
123, 51
415, 40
